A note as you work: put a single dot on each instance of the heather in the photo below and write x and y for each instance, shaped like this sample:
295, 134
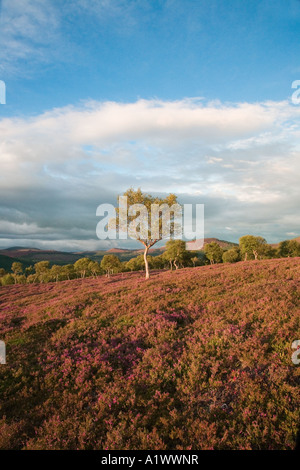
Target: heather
197, 358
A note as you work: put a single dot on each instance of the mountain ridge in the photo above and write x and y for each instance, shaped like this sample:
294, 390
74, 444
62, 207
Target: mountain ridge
30, 255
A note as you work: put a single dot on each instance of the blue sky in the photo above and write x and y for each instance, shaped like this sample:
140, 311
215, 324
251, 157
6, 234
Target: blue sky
186, 96
123, 50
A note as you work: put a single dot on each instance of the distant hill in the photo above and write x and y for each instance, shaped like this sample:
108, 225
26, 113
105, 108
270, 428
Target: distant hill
29, 256
7, 261
34, 255
118, 250
222, 243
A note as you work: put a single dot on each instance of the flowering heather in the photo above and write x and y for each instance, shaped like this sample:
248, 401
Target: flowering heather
193, 359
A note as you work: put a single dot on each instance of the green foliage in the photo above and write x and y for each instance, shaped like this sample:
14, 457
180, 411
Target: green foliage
2, 272
29, 270
55, 272
144, 222
231, 256
42, 269
94, 268
267, 252
20, 279
111, 264
288, 248
17, 268
132, 265
176, 253
32, 278
158, 262
7, 280
81, 266
252, 247
213, 252
68, 271
138, 197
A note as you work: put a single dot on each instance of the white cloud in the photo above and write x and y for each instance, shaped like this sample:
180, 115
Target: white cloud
240, 159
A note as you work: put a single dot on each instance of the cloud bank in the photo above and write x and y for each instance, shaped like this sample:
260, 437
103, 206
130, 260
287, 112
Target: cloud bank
240, 159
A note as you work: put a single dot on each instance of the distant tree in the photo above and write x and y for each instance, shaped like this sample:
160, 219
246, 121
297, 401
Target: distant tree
2, 272
140, 262
267, 252
68, 271
124, 267
143, 231
42, 270
288, 248
231, 256
7, 280
31, 278
194, 260
29, 270
20, 279
17, 268
132, 265
176, 253
251, 247
213, 252
94, 268
294, 248
111, 264
198, 258
158, 262
55, 272
81, 266
282, 250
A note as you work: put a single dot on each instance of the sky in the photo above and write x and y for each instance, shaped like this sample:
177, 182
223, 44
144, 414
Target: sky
192, 97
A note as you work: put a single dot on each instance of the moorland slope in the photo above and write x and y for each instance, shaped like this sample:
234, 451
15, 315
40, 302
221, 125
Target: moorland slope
193, 359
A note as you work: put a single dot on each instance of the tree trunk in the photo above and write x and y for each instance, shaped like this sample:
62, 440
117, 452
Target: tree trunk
146, 262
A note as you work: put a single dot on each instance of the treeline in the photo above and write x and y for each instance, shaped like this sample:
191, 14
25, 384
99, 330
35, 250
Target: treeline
174, 257
251, 248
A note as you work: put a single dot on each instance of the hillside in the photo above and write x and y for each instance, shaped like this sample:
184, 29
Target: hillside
7, 261
193, 359
29, 256
225, 245
34, 255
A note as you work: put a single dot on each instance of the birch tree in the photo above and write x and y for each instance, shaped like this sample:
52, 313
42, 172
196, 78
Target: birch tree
145, 219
